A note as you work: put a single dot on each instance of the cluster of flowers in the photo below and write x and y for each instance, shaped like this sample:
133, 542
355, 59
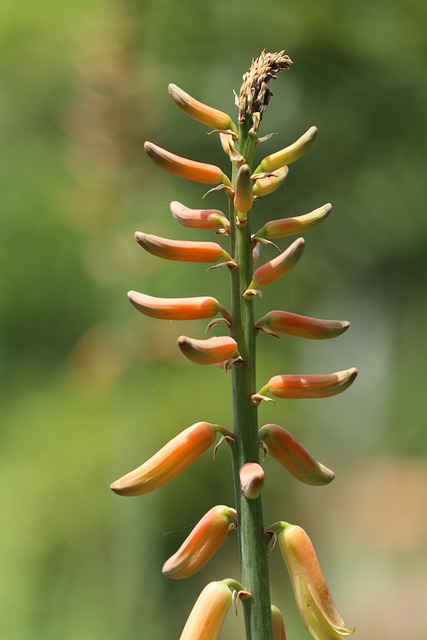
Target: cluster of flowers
312, 595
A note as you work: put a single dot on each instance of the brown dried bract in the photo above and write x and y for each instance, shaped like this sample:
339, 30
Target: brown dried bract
254, 94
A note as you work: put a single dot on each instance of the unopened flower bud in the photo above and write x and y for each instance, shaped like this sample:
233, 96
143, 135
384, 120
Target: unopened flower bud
288, 154
181, 250
208, 614
167, 463
185, 168
210, 351
309, 386
264, 185
312, 595
251, 480
202, 543
243, 194
292, 455
199, 218
272, 270
196, 308
293, 324
199, 111
295, 225
278, 624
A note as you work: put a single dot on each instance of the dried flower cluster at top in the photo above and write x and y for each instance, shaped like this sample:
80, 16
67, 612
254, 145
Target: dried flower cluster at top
254, 93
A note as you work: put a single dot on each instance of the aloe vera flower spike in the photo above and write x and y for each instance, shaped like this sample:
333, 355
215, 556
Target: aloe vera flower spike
235, 353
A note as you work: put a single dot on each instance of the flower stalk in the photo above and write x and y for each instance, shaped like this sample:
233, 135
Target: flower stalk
236, 351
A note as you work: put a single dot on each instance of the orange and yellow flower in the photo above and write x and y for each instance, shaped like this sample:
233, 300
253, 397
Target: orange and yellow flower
185, 168
288, 154
199, 111
277, 267
209, 351
294, 225
293, 324
251, 480
197, 308
313, 598
243, 194
167, 463
308, 386
278, 624
292, 455
208, 614
199, 218
268, 182
181, 250
202, 543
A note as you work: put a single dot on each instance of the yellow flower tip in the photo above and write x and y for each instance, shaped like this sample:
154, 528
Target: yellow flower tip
199, 111
294, 225
293, 456
243, 195
196, 308
185, 168
202, 543
169, 461
251, 480
311, 386
210, 351
209, 612
312, 595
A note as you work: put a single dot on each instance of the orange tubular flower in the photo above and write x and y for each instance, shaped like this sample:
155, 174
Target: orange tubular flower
208, 614
266, 184
313, 598
291, 454
272, 270
309, 386
202, 543
292, 226
251, 480
181, 250
199, 218
288, 154
292, 324
199, 111
210, 351
177, 308
278, 625
243, 194
167, 463
185, 168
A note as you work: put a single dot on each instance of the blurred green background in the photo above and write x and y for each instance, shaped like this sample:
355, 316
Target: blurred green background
90, 388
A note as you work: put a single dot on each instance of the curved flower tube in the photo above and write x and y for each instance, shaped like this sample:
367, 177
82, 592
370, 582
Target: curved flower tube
313, 598
294, 225
199, 111
197, 308
277, 267
210, 351
181, 250
288, 154
199, 218
185, 168
269, 182
208, 614
202, 543
292, 455
308, 386
243, 194
167, 463
293, 324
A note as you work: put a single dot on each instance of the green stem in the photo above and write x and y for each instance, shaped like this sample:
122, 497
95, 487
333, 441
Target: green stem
252, 542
